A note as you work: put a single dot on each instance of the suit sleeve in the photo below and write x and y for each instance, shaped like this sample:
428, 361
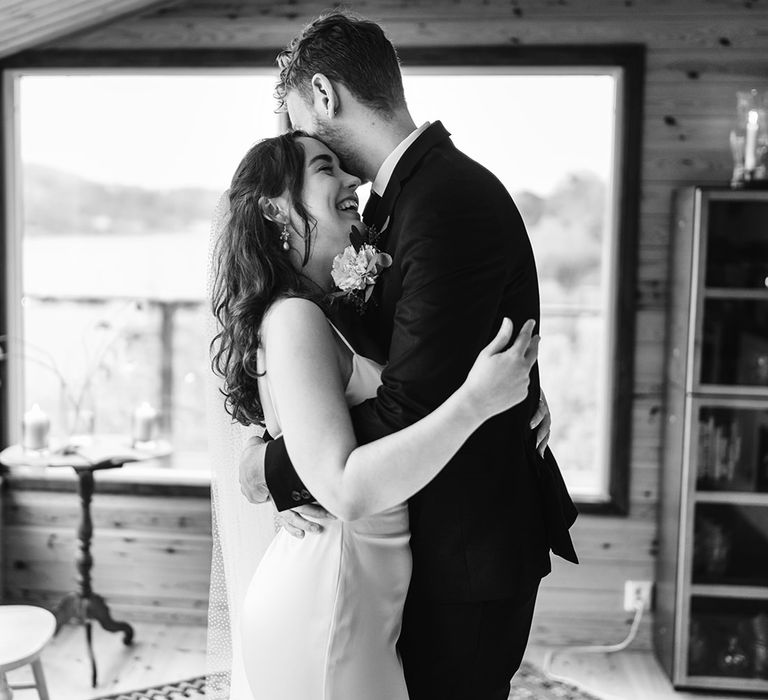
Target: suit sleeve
285, 487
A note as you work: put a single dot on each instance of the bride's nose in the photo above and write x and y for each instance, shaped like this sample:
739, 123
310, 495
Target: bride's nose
351, 181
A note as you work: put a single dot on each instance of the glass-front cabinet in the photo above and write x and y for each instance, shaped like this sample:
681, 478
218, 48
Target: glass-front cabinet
711, 622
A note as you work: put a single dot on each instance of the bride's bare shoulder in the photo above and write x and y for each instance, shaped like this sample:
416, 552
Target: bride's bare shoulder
294, 317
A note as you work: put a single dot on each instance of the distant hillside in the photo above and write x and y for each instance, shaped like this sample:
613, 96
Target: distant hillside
60, 203
566, 229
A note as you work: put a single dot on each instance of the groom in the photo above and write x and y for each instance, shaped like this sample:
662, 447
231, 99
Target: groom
482, 530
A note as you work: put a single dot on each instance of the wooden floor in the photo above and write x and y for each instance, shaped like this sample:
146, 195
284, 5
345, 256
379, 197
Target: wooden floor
627, 675
163, 652
160, 653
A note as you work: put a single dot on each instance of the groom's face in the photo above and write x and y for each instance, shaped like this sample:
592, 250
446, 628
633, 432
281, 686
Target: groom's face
305, 117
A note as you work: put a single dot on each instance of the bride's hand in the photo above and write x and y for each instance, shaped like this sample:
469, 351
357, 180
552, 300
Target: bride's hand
500, 376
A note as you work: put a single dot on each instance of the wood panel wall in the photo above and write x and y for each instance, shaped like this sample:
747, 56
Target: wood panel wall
699, 53
25, 24
151, 553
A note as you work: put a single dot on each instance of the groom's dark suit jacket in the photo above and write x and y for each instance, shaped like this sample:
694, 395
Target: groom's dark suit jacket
483, 528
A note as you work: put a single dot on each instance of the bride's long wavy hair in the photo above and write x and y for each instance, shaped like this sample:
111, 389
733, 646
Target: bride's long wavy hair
251, 269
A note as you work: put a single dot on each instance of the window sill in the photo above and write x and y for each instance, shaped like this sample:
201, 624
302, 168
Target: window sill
177, 475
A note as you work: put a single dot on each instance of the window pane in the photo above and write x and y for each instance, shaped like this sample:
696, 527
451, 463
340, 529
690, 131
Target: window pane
121, 176
549, 139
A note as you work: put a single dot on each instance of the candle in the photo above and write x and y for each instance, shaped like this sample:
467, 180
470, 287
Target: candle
144, 418
750, 145
35, 426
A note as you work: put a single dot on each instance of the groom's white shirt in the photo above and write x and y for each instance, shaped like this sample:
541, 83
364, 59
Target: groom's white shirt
381, 180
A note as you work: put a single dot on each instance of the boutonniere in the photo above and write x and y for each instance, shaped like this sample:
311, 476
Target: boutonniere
356, 270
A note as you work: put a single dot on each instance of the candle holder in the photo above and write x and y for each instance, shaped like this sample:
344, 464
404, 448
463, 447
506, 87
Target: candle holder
749, 140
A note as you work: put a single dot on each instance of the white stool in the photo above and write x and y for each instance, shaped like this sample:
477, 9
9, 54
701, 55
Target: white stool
24, 632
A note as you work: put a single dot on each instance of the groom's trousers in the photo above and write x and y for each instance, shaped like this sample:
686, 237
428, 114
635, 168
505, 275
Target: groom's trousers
464, 651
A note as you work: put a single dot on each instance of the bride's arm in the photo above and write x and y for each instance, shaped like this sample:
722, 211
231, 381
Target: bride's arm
306, 383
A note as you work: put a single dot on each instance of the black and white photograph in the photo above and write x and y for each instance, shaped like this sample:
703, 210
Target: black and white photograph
383, 350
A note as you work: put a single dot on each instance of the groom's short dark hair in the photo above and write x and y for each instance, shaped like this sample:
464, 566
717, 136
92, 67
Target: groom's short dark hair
355, 52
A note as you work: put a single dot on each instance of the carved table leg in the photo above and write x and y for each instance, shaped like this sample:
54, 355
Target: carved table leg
89, 645
99, 610
68, 607
84, 603
84, 559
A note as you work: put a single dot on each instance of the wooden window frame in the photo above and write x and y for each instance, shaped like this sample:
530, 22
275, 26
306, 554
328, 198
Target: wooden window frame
630, 58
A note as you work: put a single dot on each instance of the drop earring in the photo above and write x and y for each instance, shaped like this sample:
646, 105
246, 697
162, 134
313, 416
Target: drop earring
284, 238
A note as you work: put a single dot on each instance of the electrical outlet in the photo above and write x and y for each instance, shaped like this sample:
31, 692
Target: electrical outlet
637, 592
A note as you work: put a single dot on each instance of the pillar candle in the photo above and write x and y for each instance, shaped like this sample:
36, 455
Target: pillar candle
750, 144
35, 426
144, 418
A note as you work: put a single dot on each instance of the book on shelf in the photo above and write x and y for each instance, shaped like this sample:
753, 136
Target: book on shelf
719, 454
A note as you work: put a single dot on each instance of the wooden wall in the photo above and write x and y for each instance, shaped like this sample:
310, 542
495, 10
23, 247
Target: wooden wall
699, 54
29, 23
151, 552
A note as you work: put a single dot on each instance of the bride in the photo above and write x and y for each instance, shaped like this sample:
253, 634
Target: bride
319, 617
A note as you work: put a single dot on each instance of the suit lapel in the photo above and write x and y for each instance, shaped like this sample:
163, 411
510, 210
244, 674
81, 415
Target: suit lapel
379, 213
367, 333
360, 330
370, 208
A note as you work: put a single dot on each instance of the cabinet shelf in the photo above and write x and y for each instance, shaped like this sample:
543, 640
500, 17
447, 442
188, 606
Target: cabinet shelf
750, 685
726, 591
736, 293
725, 390
742, 498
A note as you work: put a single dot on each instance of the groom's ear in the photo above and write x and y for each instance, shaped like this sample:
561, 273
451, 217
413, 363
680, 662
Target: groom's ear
324, 96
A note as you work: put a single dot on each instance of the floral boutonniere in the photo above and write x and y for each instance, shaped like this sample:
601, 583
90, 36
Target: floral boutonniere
356, 269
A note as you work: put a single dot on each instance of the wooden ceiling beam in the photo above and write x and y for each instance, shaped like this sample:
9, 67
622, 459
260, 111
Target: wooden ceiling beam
31, 23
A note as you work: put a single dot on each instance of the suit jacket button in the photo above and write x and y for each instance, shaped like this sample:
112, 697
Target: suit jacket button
305, 493
295, 495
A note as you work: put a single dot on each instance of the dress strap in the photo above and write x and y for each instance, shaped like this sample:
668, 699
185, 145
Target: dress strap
343, 339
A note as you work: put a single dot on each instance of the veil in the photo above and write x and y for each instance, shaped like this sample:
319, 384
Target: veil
241, 531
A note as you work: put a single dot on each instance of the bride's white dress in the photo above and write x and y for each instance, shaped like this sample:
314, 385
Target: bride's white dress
322, 614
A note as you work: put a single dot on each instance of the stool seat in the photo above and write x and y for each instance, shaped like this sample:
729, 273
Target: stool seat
24, 632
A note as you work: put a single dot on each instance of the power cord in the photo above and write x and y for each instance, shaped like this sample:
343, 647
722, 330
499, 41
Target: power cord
593, 649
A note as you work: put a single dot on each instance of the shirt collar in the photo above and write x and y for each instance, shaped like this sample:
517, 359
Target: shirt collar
390, 163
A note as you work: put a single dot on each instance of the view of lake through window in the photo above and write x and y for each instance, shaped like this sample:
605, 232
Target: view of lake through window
121, 173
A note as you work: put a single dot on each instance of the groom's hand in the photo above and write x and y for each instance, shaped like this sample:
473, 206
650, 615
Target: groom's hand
253, 485
296, 524
542, 423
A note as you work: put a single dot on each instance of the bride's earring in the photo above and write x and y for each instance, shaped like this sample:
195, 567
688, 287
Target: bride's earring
284, 238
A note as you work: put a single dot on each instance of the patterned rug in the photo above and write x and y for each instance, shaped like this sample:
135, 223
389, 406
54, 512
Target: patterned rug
529, 684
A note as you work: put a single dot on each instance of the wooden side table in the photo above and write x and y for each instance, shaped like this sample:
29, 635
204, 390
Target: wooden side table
100, 452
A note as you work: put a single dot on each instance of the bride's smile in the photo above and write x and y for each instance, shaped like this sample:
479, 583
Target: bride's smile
330, 209
330, 198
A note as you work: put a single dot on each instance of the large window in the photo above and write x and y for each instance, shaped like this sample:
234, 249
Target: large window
120, 176
120, 173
